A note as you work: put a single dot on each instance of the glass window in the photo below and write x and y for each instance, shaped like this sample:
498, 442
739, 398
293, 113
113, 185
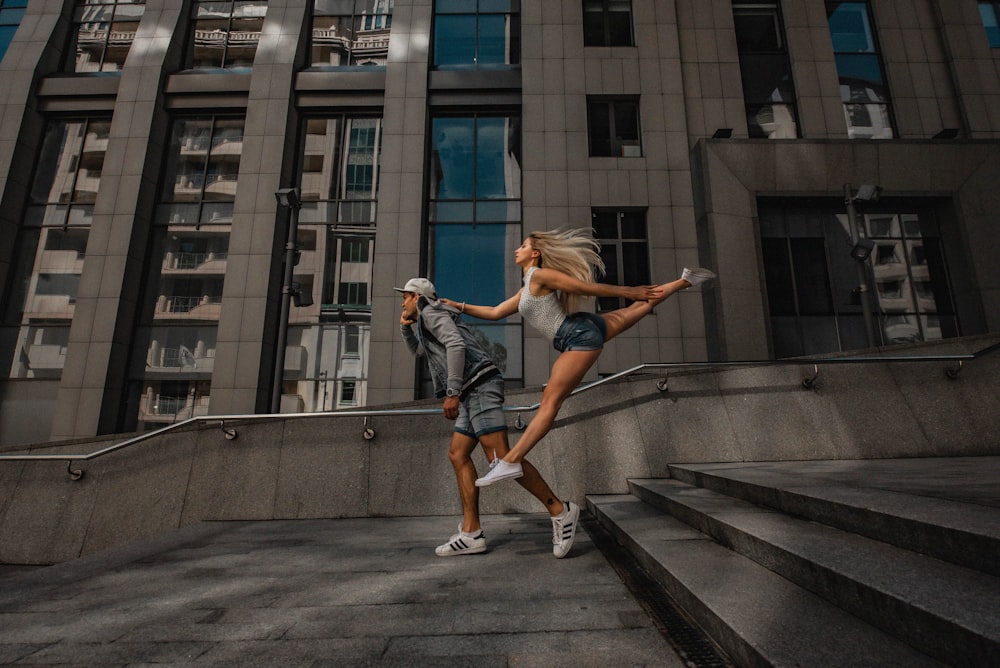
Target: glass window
474, 211
51, 247
225, 34
990, 12
812, 281
477, 34
326, 356
171, 374
613, 125
624, 250
11, 13
340, 167
350, 33
768, 90
863, 88
607, 23
102, 34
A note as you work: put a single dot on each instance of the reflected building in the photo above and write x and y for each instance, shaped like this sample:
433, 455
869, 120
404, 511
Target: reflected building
142, 254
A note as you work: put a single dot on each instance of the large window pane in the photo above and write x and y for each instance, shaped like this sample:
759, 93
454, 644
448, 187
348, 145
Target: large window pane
476, 34
863, 87
768, 90
51, 247
815, 306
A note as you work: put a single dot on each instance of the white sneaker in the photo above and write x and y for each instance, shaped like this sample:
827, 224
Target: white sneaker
564, 530
500, 470
697, 276
462, 543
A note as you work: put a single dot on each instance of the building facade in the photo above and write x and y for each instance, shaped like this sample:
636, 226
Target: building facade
835, 162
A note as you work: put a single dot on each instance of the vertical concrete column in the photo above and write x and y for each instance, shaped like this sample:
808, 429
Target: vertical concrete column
244, 358
817, 84
975, 70
92, 390
399, 229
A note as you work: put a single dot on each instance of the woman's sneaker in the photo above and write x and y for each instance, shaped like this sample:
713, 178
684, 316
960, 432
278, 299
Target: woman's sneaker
462, 543
500, 470
697, 276
564, 530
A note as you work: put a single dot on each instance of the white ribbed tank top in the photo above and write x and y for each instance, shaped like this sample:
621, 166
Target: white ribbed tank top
543, 313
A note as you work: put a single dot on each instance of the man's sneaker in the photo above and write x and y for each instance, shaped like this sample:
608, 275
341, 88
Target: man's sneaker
462, 543
500, 470
564, 530
697, 276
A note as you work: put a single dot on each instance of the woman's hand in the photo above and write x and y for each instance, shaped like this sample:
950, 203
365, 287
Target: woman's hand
643, 293
450, 302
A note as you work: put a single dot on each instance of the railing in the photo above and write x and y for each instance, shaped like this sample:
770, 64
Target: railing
229, 432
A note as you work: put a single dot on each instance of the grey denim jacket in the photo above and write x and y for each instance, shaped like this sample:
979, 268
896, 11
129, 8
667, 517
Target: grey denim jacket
456, 360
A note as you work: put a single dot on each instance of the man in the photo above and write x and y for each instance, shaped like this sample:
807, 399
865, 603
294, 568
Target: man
473, 392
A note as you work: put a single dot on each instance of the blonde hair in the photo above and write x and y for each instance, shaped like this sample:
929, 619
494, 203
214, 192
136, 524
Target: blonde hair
575, 253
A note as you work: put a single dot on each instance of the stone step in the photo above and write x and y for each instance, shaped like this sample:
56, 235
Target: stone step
893, 505
758, 617
942, 609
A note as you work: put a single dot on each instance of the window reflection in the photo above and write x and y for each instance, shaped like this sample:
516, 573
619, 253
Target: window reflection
103, 34
350, 33
225, 34
862, 84
812, 281
768, 90
51, 248
476, 34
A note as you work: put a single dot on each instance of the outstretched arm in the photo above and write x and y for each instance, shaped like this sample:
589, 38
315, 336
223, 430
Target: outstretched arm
505, 308
551, 279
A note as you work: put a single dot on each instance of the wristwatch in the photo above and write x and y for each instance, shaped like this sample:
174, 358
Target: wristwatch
452, 393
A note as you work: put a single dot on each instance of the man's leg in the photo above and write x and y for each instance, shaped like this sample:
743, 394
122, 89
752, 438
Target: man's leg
496, 444
460, 454
470, 538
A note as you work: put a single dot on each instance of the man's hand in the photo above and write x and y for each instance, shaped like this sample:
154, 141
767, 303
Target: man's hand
451, 407
403, 320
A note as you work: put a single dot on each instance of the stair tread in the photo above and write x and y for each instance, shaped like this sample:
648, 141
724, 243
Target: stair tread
964, 596
955, 510
784, 623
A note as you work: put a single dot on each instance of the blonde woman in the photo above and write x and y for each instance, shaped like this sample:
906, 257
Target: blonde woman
559, 269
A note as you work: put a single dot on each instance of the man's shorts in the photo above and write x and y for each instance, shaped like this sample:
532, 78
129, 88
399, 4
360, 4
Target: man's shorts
581, 331
480, 411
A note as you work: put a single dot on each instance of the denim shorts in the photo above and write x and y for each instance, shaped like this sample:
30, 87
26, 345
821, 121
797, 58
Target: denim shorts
481, 409
581, 331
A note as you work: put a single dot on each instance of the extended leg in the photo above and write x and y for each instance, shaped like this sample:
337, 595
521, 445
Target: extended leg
497, 444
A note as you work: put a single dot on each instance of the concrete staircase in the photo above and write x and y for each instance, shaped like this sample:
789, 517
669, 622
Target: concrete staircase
826, 563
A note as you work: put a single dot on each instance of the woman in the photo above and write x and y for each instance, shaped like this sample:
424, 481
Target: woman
558, 272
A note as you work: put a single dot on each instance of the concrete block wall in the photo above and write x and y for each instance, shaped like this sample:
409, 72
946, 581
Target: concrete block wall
322, 467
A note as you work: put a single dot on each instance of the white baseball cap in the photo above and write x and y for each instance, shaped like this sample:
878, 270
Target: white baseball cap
420, 286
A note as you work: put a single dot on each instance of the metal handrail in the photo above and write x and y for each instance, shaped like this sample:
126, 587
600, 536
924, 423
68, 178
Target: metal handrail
369, 432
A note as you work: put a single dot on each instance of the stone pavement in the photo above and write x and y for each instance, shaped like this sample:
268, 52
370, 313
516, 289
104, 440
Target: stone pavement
331, 592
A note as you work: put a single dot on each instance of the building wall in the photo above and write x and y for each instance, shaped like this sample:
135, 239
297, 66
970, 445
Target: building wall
701, 195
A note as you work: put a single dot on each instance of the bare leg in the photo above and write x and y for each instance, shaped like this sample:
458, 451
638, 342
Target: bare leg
532, 480
567, 372
460, 454
621, 319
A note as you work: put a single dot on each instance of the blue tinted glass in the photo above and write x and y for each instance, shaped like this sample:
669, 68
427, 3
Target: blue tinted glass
849, 28
454, 40
469, 262
498, 211
861, 76
497, 172
989, 14
493, 37
451, 212
6, 35
11, 16
453, 142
